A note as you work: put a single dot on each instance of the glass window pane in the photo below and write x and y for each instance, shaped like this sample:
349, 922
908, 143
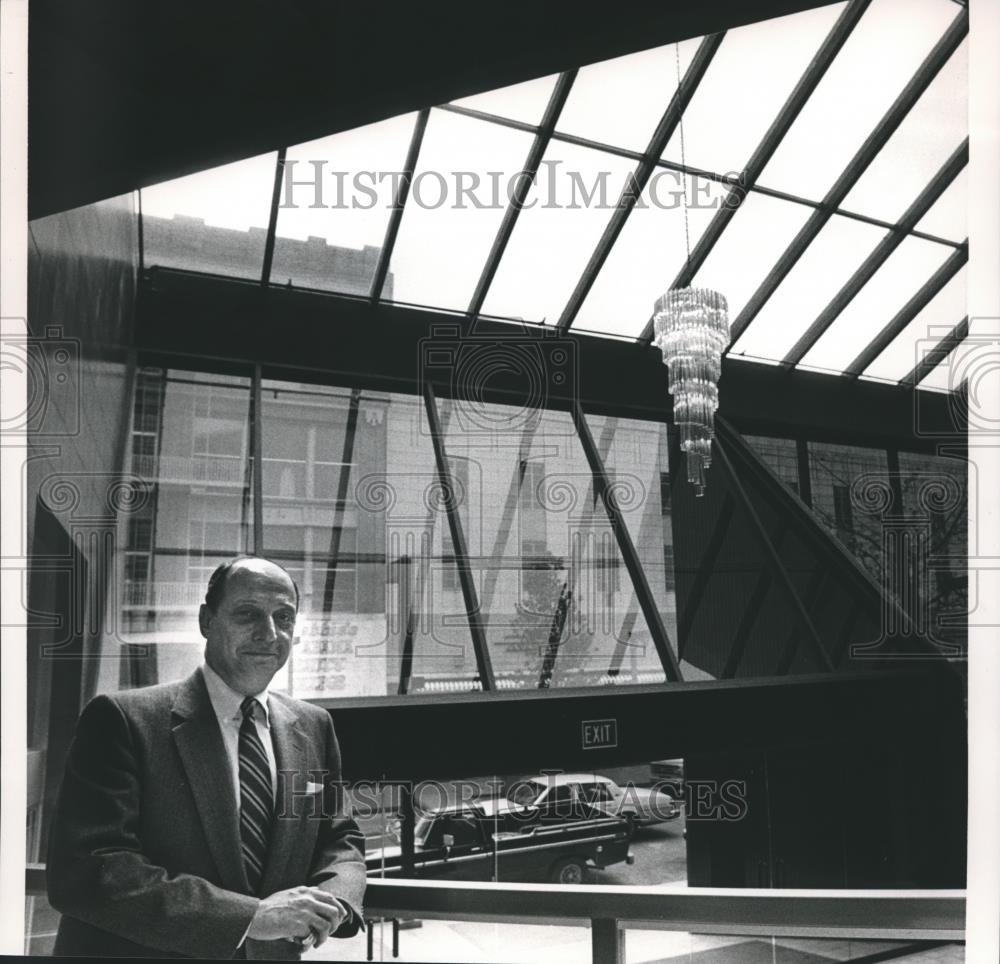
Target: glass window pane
945, 310
620, 102
781, 457
649, 252
818, 275
860, 86
949, 215
753, 240
949, 375
567, 209
833, 470
190, 444
523, 102
335, 206
926, 139
455, 207
737, 100
908, 267
214, 221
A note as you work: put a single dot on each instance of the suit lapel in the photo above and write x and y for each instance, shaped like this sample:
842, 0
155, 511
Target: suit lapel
203, 754
290, 758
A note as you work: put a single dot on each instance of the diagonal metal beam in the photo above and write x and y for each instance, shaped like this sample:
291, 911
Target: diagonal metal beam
937, 354
908, 312
875, 141
814, 73
937, 186
627, 548
343, 481
272, 218
398, 206
640, 176
526, 178
473, 611
777, 570
812, 598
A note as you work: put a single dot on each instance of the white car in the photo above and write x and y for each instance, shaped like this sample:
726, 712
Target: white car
639, 804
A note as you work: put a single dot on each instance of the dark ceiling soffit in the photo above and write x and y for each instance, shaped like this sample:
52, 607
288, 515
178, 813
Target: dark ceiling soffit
529, 171
398, 206
814, 73
227, 322
920, 81
632, 191
937, 354
938, 185
908, 312
125, 94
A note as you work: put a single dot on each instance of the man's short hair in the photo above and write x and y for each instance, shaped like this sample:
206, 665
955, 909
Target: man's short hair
217, 581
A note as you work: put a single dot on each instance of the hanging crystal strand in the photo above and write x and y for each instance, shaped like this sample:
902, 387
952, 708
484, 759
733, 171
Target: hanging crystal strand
692, 330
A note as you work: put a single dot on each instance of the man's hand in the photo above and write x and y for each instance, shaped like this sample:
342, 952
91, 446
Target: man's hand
296, 914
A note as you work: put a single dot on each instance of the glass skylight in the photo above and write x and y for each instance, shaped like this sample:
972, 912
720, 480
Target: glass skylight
213, 221
759, 231
920, 146
874, 65
949, 215
818, 275
620, 102
567, 210
945, 310
725, 121
909, 266
336, 246
649, 253
522, 102
456, 204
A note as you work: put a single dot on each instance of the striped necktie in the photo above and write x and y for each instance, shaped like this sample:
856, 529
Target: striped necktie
256, 801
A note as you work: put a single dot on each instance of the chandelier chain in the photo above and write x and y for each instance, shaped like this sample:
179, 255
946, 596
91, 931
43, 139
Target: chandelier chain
680, 127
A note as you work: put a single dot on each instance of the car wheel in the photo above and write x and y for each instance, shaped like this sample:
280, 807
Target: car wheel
570, 870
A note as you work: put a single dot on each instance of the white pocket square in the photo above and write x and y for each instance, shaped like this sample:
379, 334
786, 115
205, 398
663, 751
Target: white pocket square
314, 788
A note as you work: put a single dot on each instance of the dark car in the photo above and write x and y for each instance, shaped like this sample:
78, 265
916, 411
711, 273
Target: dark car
494, 840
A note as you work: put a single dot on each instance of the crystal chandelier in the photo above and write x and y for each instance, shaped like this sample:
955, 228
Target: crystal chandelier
691, 330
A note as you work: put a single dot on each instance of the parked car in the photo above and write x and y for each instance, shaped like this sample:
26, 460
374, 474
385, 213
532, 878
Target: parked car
494, 840
553, 791
669, 774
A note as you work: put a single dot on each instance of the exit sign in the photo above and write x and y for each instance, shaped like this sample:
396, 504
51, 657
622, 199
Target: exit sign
599, 734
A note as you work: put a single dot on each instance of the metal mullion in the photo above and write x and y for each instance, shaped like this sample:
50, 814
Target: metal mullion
937, 186
336, 530
627, 548
784, 663
140, 234
937, 354
526, 178
398, 206
272, 220
457, 532
802, 467
633, 190
858, 164
908, 312
772, 556
257, 459
814, 73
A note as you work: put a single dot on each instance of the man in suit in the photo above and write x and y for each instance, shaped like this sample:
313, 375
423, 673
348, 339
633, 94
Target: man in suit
206, 818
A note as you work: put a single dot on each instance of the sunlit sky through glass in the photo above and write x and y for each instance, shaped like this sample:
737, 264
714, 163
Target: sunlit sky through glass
466, 169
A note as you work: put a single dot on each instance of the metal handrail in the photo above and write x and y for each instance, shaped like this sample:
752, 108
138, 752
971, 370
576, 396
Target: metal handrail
905, 915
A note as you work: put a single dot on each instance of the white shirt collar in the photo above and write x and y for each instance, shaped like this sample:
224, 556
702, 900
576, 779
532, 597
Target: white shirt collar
226, 701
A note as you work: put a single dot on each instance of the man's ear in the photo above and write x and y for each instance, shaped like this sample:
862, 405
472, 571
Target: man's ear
204, 619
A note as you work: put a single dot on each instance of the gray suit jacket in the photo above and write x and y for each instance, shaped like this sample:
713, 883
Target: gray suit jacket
144, 855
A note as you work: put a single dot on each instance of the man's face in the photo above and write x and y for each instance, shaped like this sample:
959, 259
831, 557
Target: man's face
249, 635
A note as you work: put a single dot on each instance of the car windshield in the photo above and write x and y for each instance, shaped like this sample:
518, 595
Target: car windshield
524, 793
